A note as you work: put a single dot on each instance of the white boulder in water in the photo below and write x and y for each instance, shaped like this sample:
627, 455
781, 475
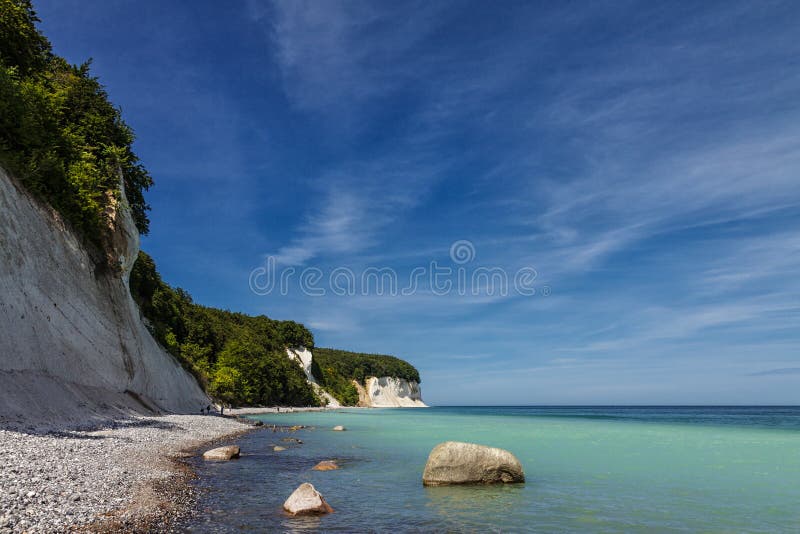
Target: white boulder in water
455, 462
222, 453
306, 500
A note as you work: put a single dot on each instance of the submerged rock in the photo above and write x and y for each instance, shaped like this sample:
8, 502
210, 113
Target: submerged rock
454, 462
326, 465
278, 448
306, 500
222, 453
339, 428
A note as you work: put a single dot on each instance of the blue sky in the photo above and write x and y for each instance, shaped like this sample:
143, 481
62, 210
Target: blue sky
642, 157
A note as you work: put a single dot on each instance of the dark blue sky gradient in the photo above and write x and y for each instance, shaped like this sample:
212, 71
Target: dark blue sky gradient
642, 157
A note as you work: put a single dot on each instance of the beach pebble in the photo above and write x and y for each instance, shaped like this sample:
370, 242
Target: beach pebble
455, 462
306, 500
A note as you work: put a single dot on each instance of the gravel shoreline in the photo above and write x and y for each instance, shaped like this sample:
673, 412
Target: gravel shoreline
125, 476
287, 409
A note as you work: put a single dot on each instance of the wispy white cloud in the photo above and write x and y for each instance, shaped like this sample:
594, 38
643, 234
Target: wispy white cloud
671, 149
339, 226
356, 203
757, 262
778, 372
333, 54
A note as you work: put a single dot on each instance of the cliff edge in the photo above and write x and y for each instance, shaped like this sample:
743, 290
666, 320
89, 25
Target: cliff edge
73, 346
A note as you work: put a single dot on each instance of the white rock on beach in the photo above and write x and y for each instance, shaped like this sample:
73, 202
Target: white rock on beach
455, 462
306, 500
222, 453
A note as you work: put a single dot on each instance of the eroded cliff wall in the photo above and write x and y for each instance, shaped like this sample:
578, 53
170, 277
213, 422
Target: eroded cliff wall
304, 357
72, 344
389, 392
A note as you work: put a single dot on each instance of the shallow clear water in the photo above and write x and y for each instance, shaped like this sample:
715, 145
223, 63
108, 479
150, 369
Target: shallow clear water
596, 469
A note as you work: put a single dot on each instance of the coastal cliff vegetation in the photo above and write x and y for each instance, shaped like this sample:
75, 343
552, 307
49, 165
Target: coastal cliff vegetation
240, 359
59, 133
336, 369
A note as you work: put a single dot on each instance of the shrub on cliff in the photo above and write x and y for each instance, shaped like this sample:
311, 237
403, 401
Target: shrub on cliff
59, 133
335, 383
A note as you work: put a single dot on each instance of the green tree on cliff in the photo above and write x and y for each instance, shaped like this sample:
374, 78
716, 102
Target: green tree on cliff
59, 133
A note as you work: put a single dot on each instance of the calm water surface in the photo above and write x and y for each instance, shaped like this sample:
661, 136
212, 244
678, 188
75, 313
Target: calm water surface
588, 469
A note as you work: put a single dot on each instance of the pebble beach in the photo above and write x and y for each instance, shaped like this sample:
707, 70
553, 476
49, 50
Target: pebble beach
126, 475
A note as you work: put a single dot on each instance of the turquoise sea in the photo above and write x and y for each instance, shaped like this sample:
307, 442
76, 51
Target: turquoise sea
588, 469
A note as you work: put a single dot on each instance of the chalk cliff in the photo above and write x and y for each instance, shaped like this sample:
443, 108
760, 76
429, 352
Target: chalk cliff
389, 392
383, 392
72, 343
303, 357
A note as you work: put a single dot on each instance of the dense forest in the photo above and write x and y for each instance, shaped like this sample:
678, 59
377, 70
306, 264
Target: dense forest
336, 369
239, 358
59, 133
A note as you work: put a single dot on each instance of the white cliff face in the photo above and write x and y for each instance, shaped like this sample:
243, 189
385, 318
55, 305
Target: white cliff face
72, 343
392, 392
303, 357
383, 392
